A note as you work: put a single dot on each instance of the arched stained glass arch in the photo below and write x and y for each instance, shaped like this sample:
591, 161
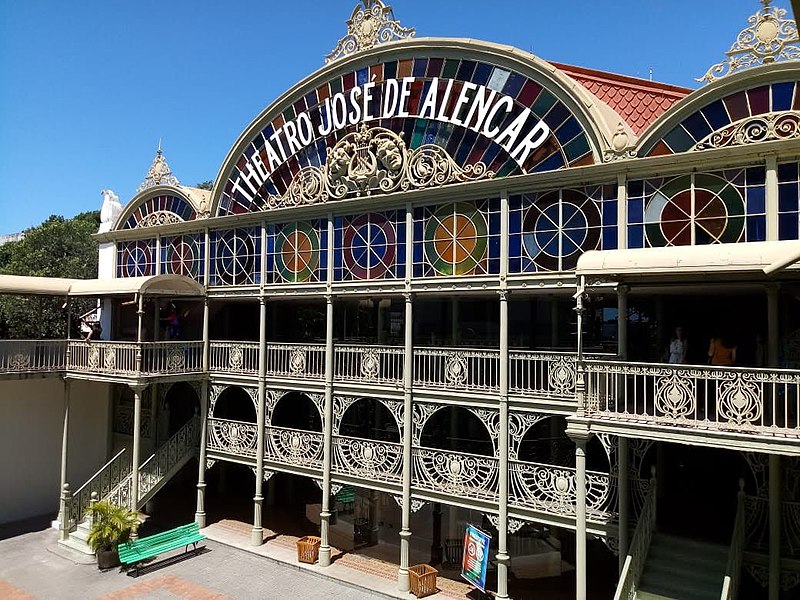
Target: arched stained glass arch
462, 238
297, 252
747, 116
476, 111
370, 246
697, 209
157, 210
136, 258
548, 231
183, 255
236, 256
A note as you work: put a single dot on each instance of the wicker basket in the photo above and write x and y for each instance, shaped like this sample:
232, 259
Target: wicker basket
423, 580
308, 549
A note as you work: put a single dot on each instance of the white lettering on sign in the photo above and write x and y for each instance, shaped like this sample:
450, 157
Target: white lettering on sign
475, 107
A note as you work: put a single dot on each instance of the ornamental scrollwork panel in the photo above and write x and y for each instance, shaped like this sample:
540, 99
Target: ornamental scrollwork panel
464, 475
340, 406
561, 374
416, 504
740, 400
232, 437
396, 408
513, 525
295, 447
553, 489
762, 128
421, 413
215, 391
675, 395
372, 160
491, 420
319, 401
159, 217
368, 460
371, 23
518, 425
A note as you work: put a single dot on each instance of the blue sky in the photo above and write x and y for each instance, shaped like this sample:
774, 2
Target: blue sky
87, 88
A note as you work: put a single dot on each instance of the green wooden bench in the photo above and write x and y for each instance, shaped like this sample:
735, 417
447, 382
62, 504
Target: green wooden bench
133, 552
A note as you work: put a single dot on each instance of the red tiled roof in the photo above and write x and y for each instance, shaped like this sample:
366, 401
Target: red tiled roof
638, 101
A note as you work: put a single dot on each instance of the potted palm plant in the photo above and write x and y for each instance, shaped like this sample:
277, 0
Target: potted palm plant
111, 525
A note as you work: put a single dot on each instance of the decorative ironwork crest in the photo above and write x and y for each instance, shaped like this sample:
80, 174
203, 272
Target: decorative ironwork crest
297, 361
675, 395
110, 359
159, 217
518, 426
369, 25
370, 364
375, 160
561, 376
514, 525
769, 38
762, 128
175, 360
740, 401
235, 357
455, 370
20, 361
159, 173
415, 503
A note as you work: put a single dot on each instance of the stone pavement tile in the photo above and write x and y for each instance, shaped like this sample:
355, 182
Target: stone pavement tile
176, 586
10, 592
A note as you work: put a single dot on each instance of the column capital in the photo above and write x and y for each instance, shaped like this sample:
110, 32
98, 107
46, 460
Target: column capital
623, 289
578, 431
138, 387
408, 295
772, 287
504, 294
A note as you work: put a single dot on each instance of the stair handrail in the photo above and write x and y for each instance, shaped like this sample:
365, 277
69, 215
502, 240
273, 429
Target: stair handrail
640, 545
730, 585
107, 477
153, 470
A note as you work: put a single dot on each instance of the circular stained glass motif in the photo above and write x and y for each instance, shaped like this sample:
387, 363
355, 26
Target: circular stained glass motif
676, 217
137, 259
236, 255
183, 257
558, 229
297, 252
455, 239
369, 246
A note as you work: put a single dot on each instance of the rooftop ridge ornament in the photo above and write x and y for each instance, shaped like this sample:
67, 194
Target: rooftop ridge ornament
369, 25
159, 173
769, 38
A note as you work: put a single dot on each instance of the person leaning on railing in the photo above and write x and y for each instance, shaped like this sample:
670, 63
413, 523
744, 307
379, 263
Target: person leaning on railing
95, 333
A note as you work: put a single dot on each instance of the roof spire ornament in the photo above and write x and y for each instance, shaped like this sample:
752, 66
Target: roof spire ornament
159, 173
769, 38
369, 25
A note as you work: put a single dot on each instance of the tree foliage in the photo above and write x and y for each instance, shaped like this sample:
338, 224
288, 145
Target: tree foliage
205, 185
58, 247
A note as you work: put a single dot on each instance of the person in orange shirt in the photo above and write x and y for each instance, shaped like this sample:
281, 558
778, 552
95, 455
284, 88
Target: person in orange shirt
721, 352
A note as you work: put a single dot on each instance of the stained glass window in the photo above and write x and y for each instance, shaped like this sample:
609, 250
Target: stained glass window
297, 252
462, 238
161, 204
370, 246
718, 116
548, 231
236, 256
183, 255
136, 258
254, 177
700, 208
788, 194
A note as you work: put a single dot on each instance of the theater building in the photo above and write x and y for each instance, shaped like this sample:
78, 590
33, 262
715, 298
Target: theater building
438, 282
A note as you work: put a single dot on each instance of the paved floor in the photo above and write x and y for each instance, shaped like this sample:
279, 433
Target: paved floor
32, 566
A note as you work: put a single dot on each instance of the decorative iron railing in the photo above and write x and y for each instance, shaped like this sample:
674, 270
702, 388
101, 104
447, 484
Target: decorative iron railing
640, 545
32, 356
232, 437
552, 489
294, 447
234, 357
549, 374
108, 477
116, 358
757, 526
168, 457
166, 358
455, 473
368, 364
368, 460
305, 361
730, 585
721, 398
456, 369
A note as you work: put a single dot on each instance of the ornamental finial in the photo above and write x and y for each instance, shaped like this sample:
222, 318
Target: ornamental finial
371, 23
769, 38
159, 172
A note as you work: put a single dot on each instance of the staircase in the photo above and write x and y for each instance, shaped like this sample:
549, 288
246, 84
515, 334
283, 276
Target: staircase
114, 483
682, 569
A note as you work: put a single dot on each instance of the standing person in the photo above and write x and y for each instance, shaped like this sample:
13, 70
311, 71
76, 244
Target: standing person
721, 352
95, 333
678, 348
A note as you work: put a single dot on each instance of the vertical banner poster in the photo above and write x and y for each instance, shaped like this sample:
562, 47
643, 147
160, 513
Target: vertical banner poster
476, 557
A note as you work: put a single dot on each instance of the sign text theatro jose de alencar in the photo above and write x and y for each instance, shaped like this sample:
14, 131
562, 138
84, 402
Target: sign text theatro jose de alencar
476, 107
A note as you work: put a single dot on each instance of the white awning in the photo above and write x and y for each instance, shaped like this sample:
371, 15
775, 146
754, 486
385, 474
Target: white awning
156, 285
756, 258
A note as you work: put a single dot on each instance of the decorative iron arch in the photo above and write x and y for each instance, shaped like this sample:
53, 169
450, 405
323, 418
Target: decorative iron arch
216, 392
282, 158
342, 404
158, 205
488, 418
274, 397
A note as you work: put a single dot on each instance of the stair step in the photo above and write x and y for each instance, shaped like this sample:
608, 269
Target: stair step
703, 548
77, 545
642, 595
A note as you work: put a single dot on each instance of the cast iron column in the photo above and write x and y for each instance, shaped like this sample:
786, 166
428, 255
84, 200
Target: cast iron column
408, 381
622, 322
503, 559
325, 513
200, 514
257, 534
63, 517
137, 440
774, 526
623, 483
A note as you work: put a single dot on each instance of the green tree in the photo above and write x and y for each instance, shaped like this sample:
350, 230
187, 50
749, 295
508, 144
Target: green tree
58, 247
205, 185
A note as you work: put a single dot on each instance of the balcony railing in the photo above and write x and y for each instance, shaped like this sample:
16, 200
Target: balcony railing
32, 356
457, 369
294, 447
455, 473
369, 364
293, 361
234, 357
232, 437
730, 399
368, 460
166, 358
110, 358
